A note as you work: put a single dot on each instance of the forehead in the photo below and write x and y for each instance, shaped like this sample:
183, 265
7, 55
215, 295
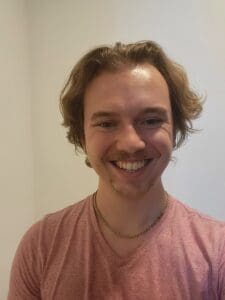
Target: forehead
128, 89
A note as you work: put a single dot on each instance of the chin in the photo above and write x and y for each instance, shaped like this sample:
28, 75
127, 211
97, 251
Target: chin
131, 191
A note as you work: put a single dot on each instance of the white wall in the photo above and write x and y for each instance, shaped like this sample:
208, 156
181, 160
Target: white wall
16, 180
59, 32
192, 32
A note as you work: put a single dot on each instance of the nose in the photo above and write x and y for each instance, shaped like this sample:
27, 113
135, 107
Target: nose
130, 141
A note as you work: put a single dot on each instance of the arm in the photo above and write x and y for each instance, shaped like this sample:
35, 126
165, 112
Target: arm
221, 285
26, 269
221, 273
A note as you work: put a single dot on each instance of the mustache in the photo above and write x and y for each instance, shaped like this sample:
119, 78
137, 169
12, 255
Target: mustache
123, 155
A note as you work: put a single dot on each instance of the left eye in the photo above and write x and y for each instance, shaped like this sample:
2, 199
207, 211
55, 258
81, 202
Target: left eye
153, 122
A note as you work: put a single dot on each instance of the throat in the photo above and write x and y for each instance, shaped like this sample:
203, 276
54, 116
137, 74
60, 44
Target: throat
120, 226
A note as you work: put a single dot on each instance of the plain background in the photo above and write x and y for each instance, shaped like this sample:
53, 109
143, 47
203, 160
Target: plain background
40, 42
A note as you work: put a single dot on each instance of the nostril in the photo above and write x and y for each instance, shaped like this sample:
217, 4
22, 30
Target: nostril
131, 145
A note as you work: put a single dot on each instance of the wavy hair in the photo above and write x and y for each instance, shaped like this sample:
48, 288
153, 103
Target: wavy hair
185, 102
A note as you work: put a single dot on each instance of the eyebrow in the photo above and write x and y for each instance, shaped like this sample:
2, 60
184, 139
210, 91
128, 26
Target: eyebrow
148, 110
102, 114
156, 110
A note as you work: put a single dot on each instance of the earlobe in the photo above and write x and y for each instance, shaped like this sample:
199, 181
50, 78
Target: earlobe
87, 162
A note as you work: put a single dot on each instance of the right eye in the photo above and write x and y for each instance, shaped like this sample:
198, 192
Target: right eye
105, 124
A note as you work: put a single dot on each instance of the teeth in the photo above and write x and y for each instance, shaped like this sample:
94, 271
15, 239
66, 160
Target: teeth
130, 166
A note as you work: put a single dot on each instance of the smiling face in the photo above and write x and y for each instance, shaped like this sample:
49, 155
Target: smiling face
128, 129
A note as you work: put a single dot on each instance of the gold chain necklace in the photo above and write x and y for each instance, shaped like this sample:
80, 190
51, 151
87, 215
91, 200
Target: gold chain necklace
127, 236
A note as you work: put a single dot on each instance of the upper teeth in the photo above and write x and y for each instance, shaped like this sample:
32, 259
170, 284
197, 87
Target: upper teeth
130, 166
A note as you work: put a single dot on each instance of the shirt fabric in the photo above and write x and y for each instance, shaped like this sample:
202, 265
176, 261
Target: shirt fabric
65, 256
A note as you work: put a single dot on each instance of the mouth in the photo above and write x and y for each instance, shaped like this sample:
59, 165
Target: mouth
131, 166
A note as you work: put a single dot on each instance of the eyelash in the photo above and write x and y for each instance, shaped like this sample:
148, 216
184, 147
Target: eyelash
105, 124
151, 122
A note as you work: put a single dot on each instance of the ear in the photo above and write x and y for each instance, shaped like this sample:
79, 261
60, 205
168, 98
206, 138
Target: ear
87, 162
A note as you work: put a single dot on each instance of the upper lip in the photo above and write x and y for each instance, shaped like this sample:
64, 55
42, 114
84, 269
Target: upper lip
130, 160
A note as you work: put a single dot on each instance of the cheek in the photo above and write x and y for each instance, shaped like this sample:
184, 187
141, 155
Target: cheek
162, 141
89, 138
96, 147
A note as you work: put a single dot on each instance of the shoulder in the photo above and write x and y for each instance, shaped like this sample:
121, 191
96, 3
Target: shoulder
37, 246
197, 226
57, 226
66, 216
202, 234
194, 216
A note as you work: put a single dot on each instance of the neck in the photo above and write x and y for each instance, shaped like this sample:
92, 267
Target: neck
130, 215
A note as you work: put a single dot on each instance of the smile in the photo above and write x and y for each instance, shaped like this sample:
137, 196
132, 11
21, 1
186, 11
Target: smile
131, 166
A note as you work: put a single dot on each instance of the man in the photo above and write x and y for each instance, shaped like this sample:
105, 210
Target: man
127, 107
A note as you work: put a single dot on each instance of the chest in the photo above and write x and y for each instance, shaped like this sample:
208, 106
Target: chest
153, 272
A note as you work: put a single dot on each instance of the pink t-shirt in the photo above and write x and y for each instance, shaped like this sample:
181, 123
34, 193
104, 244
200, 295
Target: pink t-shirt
65, 257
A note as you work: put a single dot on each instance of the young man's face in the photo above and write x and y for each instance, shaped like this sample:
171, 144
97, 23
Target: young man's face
128, 129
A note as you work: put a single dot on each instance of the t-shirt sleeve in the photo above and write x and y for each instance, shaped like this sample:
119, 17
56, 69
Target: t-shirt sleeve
221, 272
26, 268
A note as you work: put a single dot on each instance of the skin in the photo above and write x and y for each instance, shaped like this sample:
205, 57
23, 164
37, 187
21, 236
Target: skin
128, 130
